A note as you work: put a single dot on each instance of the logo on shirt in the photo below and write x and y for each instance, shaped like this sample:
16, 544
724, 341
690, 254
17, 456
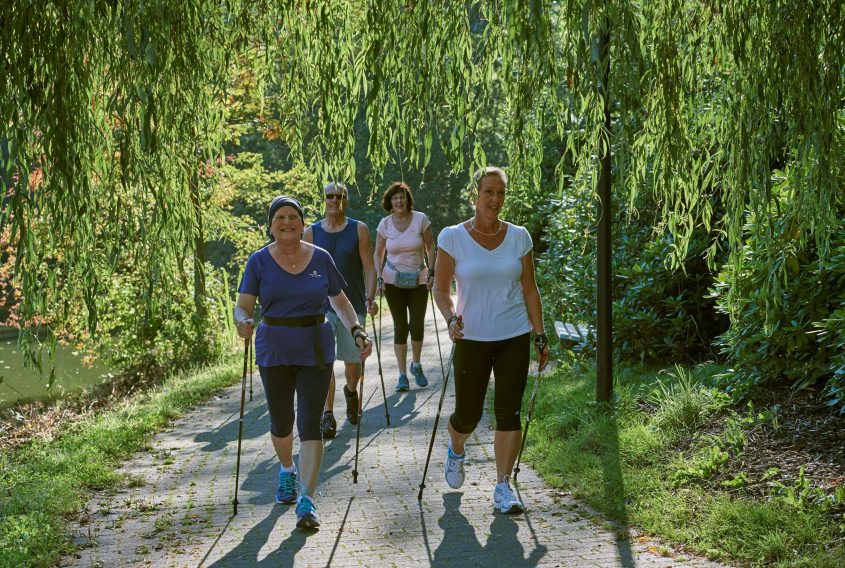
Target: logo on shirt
315, 274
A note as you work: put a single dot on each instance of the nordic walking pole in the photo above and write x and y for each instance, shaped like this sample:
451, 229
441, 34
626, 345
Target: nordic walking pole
527, 424
251, 359
436, 420
247, 345
360, 419
436, 333
380, 373
541, 346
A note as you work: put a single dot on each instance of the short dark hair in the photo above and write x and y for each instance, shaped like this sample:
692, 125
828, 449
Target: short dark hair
393, 189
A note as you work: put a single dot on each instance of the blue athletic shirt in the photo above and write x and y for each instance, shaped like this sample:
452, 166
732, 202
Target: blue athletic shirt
343, 247
286, 295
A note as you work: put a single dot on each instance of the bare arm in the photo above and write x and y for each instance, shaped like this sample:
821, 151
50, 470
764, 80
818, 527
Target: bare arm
308, 235
378, 261
430, 249
533, 304
344, 310
243, 315
444, 271
365, 250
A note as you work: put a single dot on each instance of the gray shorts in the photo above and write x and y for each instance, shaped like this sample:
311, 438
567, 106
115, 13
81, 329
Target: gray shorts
345, 347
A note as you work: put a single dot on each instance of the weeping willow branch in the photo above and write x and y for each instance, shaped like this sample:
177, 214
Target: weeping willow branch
110, 107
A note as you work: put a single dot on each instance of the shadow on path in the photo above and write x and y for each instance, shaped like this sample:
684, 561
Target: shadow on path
614, 490
227, 432
248, 549
460, 542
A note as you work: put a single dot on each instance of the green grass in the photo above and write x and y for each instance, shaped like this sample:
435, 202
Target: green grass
45, 484
644, 461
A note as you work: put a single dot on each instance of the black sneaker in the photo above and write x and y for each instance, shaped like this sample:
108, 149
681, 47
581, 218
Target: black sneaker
328, 425
351, 405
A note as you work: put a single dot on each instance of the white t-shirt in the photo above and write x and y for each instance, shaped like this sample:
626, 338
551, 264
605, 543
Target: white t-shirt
405, 249
489, 282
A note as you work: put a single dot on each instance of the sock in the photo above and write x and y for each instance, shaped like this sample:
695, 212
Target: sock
291, 469
328, 412
505, 481
455, 456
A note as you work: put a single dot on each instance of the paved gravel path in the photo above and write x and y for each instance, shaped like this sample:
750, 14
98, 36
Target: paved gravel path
178, 511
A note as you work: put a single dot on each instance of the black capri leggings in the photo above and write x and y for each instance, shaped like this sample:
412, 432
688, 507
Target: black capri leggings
508, 359
311, 386
402, 302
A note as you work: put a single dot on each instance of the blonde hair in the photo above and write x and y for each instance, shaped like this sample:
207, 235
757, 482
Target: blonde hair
489, 171
482, 173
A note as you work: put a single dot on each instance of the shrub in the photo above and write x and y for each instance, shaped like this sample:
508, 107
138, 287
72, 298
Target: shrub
659, 314
785, 300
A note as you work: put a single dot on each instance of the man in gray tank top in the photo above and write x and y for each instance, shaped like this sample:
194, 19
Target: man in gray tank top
349, 244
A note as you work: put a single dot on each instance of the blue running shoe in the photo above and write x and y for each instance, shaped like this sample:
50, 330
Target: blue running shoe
403, 385
286, 491
419, 376
306, 513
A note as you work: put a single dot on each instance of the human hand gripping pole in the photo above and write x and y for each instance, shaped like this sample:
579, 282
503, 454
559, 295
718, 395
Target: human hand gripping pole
541, 343
439, 408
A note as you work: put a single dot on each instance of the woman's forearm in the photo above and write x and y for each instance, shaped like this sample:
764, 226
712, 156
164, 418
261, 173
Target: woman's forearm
344, 310
444, 303
534, 305
241, 315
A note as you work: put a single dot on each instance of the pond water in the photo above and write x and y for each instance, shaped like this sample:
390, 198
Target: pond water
72, 374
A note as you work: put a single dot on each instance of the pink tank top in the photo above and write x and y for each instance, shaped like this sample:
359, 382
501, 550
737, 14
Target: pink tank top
405, 249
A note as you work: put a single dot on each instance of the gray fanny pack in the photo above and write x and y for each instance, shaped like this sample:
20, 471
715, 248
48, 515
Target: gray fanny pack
406, 279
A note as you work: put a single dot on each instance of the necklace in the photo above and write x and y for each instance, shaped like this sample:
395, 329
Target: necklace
474, 228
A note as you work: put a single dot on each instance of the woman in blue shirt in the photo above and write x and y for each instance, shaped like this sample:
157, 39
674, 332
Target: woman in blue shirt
294, 344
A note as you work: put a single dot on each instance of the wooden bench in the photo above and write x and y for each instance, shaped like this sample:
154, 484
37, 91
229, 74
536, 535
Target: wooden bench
571, 335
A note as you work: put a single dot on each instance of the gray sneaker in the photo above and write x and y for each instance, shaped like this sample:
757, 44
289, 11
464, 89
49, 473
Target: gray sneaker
505, 500
454, 469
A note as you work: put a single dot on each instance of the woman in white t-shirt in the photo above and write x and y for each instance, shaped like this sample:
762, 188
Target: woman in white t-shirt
498, 307
404, 238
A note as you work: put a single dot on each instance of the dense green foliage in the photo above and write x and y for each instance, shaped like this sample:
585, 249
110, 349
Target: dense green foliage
116, 114
789, 328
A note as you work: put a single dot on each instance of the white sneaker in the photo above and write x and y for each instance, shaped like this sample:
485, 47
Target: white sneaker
454, 470
505, 500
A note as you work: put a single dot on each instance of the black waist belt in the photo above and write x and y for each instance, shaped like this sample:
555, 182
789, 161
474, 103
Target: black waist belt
304, 321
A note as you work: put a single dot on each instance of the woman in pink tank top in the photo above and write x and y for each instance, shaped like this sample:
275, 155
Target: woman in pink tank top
404, 243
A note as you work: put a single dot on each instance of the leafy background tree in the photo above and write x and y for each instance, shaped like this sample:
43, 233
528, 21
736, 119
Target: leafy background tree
125, 110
